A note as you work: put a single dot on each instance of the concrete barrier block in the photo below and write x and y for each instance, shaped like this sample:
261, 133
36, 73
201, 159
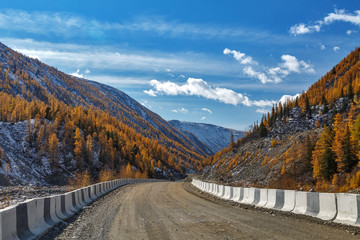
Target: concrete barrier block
313, 204
263, 197
8, 223
256, 196
220, 191
22, 222
289, 201
207, 187
69, 205
248, 196
275, 199
300, 202
228, 191
36, 220
213, 192
348, 209
50, 211
240, 195
236, 193
328, 208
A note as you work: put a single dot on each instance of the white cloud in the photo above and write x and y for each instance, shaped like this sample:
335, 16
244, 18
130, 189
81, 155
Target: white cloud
343, 16
292, 64
336, 16
336, 48
199, 87
207, 110
182, 76
262, 110
66, 56
239, 56
72, 25
87, 71
286, 98
260, 75
123, 81
322, 46
180, 110
203, 118
289, 65
150, 92
77, 74
301, 28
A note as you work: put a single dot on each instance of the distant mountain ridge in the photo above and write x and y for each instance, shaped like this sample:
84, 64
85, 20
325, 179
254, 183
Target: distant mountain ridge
214, 137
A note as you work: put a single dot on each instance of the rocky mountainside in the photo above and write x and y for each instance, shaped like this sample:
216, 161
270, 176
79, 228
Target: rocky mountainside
57, 100
214, 137
308, 143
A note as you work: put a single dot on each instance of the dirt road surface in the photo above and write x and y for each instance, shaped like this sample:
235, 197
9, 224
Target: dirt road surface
166, 210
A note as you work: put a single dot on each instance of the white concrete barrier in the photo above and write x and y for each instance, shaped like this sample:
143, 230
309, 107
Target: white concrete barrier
341, 207
207, 187
213, 192
313, 204
36, 219
263, 197
50, 211
256, 196
69, 204
307, 203
236, 193
248, 195
8, 223
221, 189
275, 199
328, 208
348, 209
300, 202
228, 192
30, 219
289, 200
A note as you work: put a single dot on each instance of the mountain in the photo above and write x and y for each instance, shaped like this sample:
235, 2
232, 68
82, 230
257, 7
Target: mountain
80, 110
214, 137
307, 143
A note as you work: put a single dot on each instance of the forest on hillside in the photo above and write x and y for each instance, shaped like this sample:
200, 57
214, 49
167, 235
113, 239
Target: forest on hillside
329, 158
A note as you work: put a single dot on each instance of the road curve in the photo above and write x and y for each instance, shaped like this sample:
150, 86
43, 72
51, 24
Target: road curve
167, 211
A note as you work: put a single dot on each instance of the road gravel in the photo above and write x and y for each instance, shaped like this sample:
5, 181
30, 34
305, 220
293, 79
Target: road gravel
174, 210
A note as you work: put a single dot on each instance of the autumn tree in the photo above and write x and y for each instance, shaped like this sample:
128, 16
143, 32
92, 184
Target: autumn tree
323, 158
79, 148
262, 130
90, 149
53, 150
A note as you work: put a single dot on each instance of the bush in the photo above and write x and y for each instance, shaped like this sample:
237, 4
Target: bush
79, 180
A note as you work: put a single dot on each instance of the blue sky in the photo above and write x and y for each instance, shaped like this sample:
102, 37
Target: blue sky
219, 62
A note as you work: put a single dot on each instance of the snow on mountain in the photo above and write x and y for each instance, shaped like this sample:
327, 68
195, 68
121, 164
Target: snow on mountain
24, 166
214, 137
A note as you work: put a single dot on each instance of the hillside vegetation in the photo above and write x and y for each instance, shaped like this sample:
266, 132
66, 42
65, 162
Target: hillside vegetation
73, 124
312, 142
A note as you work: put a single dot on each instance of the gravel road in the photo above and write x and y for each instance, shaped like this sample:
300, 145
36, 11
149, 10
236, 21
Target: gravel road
167, 210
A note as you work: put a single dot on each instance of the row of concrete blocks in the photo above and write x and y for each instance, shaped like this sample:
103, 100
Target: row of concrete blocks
338, 207
34, 217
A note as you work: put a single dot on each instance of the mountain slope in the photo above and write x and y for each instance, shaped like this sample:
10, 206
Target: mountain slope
65, 100
311, 142
214, 137
30, 78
